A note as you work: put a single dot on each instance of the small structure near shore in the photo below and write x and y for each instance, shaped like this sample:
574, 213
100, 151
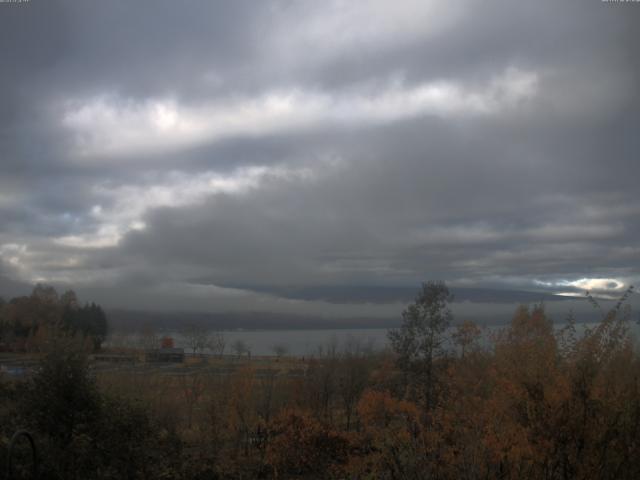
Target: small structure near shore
165, 355
114, 358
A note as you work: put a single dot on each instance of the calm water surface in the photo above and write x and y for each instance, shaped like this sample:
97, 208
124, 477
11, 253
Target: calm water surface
313, 342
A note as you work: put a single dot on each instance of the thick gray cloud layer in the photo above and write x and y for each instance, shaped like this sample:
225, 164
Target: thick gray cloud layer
194, 155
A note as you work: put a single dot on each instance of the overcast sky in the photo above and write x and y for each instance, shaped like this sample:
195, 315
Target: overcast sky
198, 154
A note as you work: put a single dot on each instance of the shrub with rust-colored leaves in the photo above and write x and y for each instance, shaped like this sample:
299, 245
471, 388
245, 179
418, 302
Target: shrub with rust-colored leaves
391, 443
301, 445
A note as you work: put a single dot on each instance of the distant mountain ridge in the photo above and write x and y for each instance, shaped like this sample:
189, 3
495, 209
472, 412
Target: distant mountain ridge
402, 294
136, 320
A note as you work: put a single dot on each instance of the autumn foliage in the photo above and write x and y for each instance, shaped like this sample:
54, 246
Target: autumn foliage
531, 400
32, 323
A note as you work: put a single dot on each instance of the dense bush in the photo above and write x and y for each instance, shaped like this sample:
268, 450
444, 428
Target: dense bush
82, 433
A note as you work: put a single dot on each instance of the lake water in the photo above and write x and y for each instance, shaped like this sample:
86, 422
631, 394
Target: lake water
311, 342
294, 342
307, 342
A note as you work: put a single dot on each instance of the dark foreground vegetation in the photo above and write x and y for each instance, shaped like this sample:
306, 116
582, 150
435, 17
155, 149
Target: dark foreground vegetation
530, 402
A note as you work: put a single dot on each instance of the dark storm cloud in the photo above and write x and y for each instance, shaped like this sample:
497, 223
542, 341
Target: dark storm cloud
213, 154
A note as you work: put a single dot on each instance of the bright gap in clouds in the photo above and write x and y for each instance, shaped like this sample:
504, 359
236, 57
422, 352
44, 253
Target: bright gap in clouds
108, 125
129, 203
12, 253
601, 287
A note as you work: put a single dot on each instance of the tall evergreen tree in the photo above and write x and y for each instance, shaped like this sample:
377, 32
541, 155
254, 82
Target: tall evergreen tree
419, 340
